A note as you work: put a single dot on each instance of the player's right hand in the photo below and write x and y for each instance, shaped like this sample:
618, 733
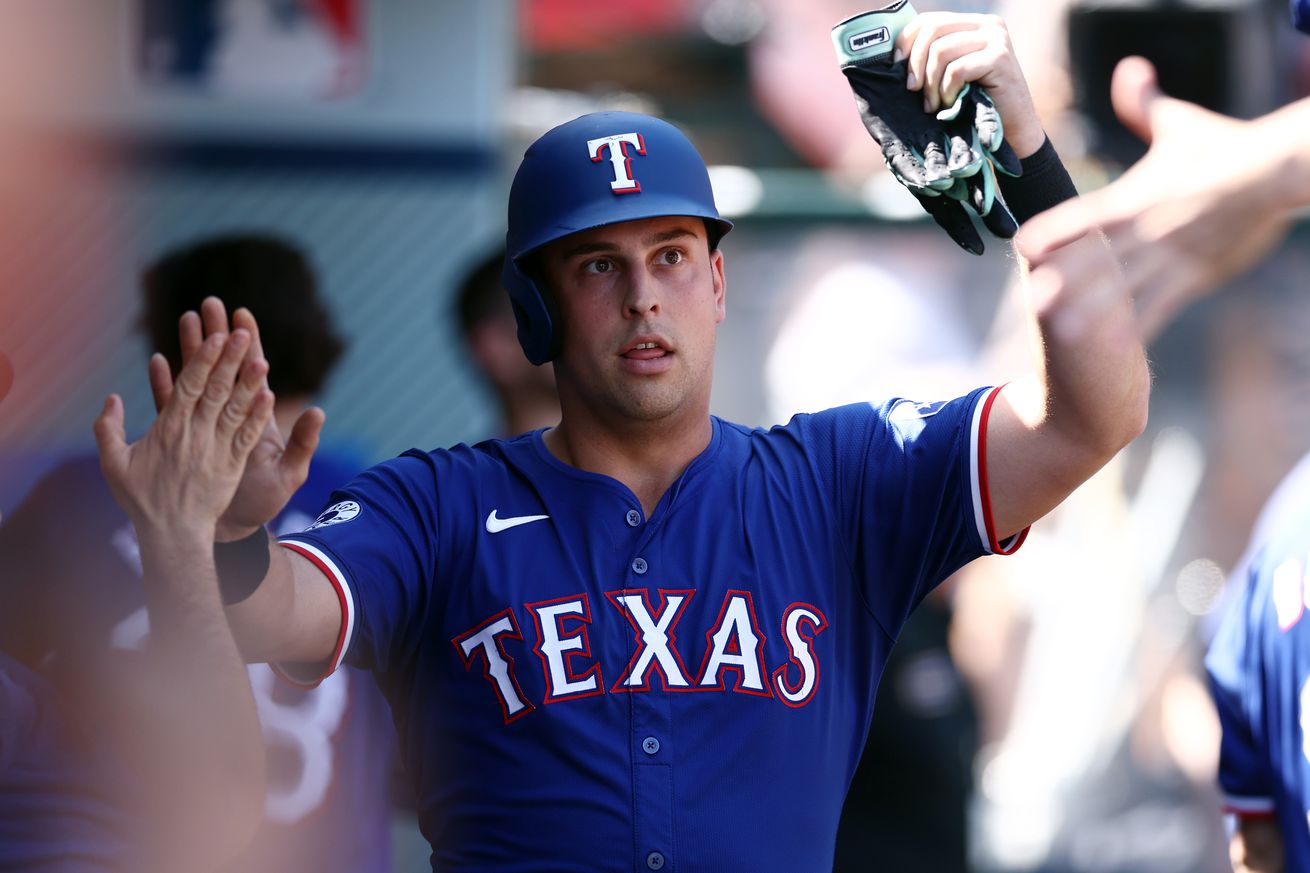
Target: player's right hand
180, 477
276, 466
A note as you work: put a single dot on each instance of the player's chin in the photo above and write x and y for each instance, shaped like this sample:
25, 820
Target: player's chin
648, 402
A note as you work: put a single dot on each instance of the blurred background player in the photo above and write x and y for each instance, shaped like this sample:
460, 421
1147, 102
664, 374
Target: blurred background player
1197, 210
74, 604
1259, 666
525, 394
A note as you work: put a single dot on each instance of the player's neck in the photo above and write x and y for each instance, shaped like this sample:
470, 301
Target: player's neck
525, 411
647, 457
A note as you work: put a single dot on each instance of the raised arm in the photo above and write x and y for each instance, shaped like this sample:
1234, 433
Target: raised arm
1051, 430
1086, 399
187, 716
292, 616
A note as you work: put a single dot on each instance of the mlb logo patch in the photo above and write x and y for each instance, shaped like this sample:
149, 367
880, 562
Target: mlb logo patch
291, 49
337, 513
913, 410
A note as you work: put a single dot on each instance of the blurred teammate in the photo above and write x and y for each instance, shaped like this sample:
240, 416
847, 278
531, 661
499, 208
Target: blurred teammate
525, 394
1259, 665
75, 606
1211, 196
648, 638
180, 784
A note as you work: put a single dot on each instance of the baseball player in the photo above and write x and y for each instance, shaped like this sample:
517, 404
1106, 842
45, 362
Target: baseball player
74, 603
1259, 668
648, 638
525, 395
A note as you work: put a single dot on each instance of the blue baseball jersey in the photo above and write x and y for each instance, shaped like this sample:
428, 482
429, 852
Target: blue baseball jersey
581, 688
72, 592
58, 809
1259, 670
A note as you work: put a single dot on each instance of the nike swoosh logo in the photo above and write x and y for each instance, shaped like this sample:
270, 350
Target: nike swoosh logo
496, 525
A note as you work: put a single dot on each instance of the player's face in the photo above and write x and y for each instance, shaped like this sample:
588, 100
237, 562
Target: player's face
640, 303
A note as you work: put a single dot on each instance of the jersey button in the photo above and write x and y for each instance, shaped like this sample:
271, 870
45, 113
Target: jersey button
650, 745
655, 861
639, 566
633, 517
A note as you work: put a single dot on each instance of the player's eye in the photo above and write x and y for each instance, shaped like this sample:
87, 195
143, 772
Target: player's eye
599, 265
669, 257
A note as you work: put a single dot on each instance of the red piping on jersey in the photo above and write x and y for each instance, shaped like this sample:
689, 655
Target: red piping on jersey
984, 492
335, 660
1258, 815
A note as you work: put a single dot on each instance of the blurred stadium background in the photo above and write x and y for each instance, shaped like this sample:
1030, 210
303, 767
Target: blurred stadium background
381, 134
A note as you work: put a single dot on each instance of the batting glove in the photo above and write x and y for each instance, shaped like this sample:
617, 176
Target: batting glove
974, 107
945, 160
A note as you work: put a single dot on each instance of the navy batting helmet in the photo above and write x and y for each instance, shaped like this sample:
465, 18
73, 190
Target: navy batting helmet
598, 169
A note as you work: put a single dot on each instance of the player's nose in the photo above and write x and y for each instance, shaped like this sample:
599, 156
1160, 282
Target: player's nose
641, 294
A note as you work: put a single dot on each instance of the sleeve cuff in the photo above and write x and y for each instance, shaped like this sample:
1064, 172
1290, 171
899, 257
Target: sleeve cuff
310, 675
982, 501
1248, 807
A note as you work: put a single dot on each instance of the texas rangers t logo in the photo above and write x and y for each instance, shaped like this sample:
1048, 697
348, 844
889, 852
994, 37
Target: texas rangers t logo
617, 144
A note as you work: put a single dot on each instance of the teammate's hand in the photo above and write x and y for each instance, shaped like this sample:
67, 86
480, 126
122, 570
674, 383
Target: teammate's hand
946, 50
276, 466
181, 476
1196, 210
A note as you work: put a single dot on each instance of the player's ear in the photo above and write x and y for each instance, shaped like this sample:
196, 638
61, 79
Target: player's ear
720, 285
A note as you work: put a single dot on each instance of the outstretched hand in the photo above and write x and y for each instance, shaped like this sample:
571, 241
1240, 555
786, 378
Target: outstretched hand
276, 467
1196, 210
183, 473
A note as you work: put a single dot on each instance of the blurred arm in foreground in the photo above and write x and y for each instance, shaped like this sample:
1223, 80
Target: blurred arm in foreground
1210, 198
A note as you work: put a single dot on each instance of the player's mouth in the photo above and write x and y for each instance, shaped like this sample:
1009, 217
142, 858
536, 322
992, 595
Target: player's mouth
647, 355
646, 348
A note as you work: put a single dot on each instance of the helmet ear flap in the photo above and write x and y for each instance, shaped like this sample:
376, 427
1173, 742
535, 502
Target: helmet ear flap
535, 312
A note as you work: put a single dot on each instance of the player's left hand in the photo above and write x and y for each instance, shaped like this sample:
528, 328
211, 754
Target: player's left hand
945, 50
277, 466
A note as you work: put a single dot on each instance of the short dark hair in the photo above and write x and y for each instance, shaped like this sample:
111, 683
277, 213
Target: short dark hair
481, 294
269, 276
